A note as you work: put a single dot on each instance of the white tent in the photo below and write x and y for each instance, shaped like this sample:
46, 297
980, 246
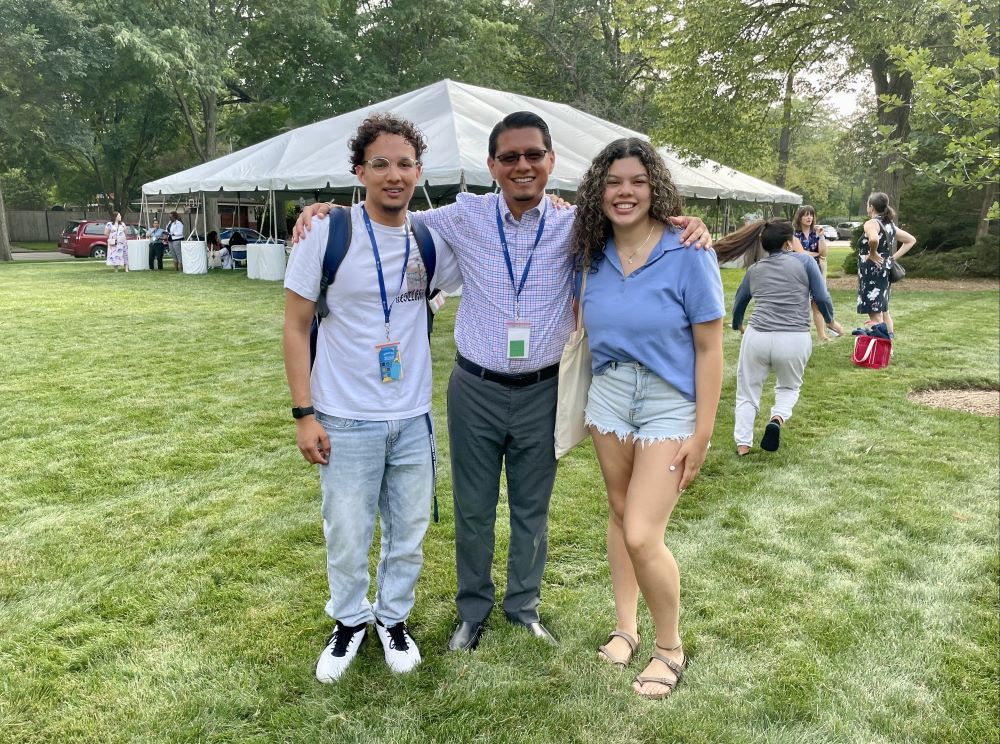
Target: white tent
456, 119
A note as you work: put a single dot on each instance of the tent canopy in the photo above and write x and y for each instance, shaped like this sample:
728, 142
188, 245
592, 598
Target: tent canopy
456, 119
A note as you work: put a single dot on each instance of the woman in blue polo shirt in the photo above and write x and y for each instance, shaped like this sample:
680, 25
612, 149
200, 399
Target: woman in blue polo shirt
653, 312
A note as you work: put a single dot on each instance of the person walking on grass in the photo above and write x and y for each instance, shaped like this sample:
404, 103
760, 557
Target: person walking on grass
363, 413
882, 244
813, 242
778, 336
512, 324
117, 236
653, 314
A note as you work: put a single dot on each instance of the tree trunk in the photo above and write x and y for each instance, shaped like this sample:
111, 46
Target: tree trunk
4, 238
889, 81
989, 195
784, 141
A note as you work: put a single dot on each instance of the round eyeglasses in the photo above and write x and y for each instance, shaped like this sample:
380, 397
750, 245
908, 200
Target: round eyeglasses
381, 165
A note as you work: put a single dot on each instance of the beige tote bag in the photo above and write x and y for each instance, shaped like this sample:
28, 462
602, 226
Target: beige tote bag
574, 383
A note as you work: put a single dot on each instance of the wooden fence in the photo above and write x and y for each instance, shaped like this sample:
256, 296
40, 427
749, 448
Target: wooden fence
46, 226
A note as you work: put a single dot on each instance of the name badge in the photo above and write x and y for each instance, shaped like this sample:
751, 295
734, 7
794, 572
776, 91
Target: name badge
518, 340
389, 362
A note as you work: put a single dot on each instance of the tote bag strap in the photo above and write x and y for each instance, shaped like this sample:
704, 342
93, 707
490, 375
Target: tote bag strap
868, 351
579, 304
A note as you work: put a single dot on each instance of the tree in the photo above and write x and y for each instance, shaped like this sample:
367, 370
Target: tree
29, 58
728, 62
730, 67
956, 99
594, 55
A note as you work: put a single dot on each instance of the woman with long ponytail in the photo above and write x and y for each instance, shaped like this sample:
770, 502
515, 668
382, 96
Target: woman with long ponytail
877, 250
778, 336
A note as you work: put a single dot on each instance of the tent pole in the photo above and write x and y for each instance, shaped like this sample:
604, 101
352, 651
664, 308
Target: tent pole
427, 196
718, 209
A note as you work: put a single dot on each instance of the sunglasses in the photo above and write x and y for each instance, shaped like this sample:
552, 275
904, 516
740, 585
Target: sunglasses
381, 165
532, 156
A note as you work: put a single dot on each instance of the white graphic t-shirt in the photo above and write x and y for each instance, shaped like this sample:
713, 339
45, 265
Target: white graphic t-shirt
346, 377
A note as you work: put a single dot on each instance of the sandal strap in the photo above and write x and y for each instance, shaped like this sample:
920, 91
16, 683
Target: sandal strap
670, 684
673, 666
630, 640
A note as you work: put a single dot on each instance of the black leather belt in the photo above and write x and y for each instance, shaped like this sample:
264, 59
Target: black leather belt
529, 378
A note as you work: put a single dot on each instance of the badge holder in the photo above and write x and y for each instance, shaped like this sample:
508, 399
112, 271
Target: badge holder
518, 339
389, 361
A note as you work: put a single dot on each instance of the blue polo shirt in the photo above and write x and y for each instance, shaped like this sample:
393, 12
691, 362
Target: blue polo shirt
647, 316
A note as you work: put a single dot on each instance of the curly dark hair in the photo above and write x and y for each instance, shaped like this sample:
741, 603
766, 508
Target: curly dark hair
377, 124
591, 228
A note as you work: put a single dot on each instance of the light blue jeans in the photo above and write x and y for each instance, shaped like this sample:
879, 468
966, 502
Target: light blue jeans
382, 466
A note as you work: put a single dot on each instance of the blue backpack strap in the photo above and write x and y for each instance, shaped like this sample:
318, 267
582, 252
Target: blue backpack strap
428, 254
337, 244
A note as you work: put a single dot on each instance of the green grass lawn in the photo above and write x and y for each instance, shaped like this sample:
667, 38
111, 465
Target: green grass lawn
162, 568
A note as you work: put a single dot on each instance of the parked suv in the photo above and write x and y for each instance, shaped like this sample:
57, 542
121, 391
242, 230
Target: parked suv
86, 239
845, 230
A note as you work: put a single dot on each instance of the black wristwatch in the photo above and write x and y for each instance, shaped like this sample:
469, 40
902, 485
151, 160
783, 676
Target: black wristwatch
298, 413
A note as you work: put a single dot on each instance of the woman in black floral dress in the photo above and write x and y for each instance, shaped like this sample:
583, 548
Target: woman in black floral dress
877, 249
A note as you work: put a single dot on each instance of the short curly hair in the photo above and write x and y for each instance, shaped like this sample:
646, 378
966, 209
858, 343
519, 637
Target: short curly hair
591, 228
377, 124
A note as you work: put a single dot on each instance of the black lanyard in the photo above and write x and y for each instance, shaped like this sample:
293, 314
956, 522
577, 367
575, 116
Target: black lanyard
386, 306
510, 267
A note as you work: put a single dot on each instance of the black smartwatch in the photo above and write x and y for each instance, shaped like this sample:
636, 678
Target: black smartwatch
298, 413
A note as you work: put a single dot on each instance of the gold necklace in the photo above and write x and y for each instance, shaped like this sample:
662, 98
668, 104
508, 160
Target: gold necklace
631, 256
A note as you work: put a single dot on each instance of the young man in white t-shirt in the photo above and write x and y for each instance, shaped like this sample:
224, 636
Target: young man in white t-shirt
363, 413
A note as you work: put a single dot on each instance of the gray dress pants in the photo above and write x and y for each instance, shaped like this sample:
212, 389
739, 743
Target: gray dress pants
490, 424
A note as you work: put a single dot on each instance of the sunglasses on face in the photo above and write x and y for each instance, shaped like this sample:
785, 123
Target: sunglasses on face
532, 156
381, 165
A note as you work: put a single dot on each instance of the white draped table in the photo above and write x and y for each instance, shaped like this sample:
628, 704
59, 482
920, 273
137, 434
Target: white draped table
194, 257
266, 261
138, 255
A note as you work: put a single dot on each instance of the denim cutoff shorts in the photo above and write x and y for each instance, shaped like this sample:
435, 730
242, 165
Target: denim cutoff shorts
628, 399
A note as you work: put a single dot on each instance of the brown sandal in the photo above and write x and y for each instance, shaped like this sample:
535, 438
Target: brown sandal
673, 666
633, 644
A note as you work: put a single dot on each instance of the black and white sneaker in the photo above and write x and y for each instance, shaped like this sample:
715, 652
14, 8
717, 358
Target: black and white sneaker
401, 652
341, 648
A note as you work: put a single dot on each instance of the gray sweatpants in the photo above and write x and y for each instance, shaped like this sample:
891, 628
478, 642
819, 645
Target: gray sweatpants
489, 425
786, 352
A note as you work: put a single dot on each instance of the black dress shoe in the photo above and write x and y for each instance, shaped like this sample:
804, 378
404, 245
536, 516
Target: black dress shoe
539, 631
465, 637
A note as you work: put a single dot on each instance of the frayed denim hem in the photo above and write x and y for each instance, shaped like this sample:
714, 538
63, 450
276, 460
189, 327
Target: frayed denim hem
642, 439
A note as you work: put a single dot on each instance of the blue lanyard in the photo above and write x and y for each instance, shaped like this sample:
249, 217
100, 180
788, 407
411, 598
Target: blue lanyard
510, 267
386, 306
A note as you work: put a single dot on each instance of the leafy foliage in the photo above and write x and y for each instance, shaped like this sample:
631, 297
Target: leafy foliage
956, 99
